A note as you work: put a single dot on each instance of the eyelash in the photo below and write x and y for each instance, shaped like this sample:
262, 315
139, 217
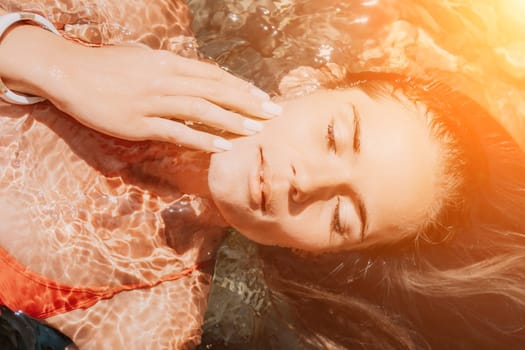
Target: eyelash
336, 223
330, 136
357, 138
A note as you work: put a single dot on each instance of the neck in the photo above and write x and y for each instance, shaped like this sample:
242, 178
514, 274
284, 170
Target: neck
184, 172
190, 176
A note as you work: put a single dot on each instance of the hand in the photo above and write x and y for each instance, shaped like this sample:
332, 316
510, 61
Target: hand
136, 93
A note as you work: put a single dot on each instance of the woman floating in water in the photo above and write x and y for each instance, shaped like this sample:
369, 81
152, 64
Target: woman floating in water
389, 210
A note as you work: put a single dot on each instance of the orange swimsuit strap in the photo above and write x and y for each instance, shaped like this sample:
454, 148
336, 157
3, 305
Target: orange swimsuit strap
39, 297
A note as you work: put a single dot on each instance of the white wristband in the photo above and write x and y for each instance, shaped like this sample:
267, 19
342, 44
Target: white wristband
7, 21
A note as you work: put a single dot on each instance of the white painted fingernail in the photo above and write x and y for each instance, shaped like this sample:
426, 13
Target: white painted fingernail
222, 144
259, 93
272, 108
252, 125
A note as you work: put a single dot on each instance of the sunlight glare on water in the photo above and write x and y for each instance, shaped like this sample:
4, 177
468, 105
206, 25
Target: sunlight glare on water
465, 43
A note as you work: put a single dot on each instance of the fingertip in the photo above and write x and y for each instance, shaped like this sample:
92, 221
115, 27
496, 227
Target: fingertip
252, 126
259, 93
272, 109
221, 144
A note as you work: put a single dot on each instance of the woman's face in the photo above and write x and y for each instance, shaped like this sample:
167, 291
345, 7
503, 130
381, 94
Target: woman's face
338, 169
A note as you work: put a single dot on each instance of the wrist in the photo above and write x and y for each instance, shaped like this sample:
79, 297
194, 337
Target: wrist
27, 55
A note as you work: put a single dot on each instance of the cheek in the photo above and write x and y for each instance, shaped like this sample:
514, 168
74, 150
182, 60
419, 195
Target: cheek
300, 117
256, 229
307, 228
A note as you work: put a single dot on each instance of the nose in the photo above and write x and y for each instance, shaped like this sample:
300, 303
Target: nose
316, 183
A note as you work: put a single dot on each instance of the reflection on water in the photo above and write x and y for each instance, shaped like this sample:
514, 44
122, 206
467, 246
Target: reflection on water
78, 207
476, 46
80, 199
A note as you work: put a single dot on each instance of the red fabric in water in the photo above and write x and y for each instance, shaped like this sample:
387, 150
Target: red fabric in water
39, 297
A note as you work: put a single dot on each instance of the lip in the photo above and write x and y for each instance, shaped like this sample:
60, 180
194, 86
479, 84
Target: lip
258, 187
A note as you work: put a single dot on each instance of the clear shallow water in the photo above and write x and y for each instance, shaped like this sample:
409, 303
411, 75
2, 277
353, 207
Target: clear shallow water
78, 207
476, 46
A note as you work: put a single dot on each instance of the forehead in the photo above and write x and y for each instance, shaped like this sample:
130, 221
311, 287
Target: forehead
399, 165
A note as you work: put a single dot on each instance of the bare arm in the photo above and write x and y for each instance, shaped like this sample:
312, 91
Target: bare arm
132, 92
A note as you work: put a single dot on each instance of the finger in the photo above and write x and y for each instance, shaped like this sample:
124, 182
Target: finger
241, 101
161, 129
199, 110
206, 70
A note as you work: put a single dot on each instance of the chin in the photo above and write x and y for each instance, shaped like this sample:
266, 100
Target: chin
229, 183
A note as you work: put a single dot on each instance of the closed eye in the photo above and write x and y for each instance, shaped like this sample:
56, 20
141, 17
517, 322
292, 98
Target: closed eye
330, 137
